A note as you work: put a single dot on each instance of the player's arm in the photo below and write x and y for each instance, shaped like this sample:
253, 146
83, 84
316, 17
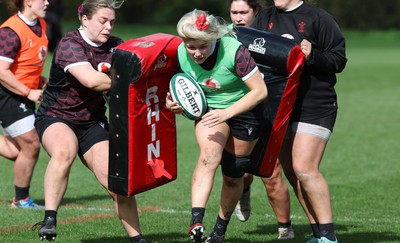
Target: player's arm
10, 82
90, 78
247, 69
258, 92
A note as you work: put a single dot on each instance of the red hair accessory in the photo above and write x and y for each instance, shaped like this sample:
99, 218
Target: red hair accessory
80, 9
201, 22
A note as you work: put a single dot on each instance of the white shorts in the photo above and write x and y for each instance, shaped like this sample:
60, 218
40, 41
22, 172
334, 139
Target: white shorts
20, 127
311, 129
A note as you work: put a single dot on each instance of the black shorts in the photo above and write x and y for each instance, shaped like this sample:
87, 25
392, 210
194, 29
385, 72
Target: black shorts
14, 107
246, 126
88, 134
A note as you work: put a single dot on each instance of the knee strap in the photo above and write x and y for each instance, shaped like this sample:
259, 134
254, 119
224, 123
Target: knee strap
234, 166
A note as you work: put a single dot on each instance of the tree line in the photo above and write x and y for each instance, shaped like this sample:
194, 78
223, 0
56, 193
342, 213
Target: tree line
350, 14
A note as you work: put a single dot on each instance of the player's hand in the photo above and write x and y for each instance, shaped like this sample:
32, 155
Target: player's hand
35, 95
306, 48
214, 117
172, 105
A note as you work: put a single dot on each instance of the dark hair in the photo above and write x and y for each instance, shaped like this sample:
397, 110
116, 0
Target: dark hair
15, 5
254, 4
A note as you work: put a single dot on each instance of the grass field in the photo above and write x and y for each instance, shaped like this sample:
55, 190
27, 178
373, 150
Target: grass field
361, 165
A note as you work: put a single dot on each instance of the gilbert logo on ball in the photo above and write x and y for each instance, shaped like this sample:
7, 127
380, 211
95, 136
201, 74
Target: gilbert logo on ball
190, 96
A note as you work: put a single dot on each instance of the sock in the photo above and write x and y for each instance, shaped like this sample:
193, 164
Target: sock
221, 226
197, 215
284, 225
327, 231
315, 230
21, 193
135, 239
51, 214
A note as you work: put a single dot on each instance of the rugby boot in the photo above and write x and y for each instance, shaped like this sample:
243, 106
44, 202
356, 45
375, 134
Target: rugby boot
47, 229
26, 203
215, 238
196, 233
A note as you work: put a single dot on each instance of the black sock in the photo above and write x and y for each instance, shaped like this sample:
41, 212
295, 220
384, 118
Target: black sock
197, 215
327, 231
315, 230
135, 239
21, 193
284, 225
51, 214
221, 226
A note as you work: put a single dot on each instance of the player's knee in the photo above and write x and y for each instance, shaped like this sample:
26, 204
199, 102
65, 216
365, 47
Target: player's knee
234, 166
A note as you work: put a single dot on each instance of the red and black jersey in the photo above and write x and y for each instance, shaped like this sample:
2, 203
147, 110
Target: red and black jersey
65, 96
316, 96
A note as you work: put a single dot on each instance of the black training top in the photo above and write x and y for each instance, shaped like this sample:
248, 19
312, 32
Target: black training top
317, 96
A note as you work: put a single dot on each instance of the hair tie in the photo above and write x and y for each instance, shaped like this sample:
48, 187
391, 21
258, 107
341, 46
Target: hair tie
80, 8
201, 22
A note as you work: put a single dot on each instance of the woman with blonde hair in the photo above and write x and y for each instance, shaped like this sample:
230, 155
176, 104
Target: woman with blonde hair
227, 133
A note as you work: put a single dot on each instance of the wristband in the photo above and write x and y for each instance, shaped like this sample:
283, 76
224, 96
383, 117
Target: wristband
26, 92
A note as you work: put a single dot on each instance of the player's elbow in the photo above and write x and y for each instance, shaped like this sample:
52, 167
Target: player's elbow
262, 93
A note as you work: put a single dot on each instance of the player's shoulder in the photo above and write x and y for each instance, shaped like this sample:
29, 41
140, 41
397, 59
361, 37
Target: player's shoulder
71, 39
315, 11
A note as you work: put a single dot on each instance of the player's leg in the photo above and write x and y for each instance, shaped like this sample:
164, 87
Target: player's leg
243, 207
8, 147
279, 199
21, 137
234, 164
308, 146
61, 144
96, 159
211, 142
307, 155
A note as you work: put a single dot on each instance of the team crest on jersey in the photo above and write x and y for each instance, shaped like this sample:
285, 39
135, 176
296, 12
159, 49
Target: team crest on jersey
211, 83
42, 53
258, 46
104, 67
301, 26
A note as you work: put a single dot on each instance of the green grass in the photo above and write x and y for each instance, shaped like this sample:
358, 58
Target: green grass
361, 166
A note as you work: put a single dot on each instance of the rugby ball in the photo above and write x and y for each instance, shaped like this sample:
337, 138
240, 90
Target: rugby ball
190, 96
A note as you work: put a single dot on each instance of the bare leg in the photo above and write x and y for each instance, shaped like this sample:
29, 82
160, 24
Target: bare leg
62, 146
27, 157
96, 160
278, 194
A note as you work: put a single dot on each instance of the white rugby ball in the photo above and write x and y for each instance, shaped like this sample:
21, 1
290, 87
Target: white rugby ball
190, 96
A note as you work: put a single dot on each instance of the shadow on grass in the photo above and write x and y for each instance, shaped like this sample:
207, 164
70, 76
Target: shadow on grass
302, 232
165, 238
